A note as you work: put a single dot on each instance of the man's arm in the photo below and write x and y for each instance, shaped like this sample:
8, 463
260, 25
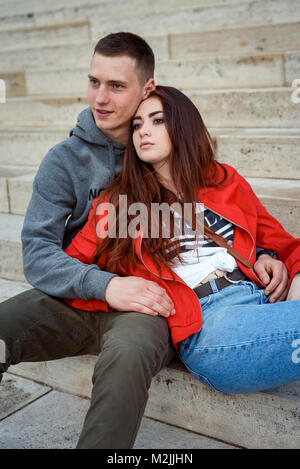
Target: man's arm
45, 264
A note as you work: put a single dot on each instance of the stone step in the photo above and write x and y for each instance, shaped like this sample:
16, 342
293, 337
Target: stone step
31, 415
47, 57
264, 420
205, 73
210, 18
254, 152
266, 39
15, 188
282, 200
10, 247
64, 27
241, 108
9, 288
292, 67
23, 7
260, 153
54, 57
55, 35
258, 71
42, 112
28, 146
33, 13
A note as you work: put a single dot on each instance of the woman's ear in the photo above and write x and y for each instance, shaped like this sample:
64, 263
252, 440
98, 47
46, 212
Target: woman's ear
148, 87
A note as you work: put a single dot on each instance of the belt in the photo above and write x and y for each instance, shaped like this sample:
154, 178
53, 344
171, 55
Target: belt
229, 278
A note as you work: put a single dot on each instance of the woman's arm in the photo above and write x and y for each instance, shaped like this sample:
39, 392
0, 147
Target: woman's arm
270, 234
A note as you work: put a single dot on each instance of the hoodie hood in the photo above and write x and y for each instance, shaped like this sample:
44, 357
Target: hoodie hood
87, 130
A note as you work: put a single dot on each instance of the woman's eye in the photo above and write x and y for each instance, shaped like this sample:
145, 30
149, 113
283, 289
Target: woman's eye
159, 121
135, 126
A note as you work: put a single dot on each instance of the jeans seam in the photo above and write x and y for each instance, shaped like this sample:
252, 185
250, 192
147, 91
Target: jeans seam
278, 337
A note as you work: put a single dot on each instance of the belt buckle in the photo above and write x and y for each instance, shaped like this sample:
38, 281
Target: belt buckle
232, 281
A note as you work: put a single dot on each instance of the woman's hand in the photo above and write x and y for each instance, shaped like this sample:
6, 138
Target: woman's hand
294, 291
274, 274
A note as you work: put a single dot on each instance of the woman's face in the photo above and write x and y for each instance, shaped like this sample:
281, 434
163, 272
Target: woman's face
150, 136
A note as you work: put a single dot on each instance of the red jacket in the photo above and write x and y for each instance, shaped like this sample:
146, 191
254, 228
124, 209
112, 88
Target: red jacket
233, 200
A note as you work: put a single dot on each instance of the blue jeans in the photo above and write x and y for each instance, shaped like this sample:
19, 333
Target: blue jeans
245, 344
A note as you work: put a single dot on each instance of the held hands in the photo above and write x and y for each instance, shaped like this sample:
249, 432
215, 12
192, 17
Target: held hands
140, 295
273, 273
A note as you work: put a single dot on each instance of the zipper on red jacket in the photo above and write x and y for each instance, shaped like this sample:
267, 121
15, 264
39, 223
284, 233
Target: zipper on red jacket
253, 243
164, 278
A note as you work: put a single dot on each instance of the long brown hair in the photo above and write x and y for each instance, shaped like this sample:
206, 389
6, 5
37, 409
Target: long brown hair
192, 166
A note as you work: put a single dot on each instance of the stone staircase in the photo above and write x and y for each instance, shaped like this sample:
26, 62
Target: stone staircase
237, 61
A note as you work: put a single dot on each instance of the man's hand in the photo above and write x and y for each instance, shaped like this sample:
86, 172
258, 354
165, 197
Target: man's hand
294, 291
138, 294
273, 273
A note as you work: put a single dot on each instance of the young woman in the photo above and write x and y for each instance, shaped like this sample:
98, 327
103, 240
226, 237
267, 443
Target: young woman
228, 332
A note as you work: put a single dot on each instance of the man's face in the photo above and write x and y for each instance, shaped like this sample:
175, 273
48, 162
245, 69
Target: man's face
114, 93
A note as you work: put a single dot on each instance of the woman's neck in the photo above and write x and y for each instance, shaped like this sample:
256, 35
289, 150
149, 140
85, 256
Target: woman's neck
164, 175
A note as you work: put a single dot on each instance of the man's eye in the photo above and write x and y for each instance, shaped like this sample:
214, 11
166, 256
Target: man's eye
117, 86
93, 81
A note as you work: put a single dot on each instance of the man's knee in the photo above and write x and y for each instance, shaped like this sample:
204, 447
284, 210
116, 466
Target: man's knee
137, 342
144, 330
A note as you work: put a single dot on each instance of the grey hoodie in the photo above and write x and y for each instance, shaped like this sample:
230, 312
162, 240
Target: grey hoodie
70, 176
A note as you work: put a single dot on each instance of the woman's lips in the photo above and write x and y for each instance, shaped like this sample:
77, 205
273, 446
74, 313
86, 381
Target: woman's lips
145, 145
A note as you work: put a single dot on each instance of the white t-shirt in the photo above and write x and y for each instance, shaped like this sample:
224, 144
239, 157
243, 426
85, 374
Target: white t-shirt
201, 260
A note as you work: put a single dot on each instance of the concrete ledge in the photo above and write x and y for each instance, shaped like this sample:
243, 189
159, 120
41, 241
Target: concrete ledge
258, 420
202, 73
44, 36
19, 146
265, 39
266, 153
220, 108
36, 417
210, 18
16, 184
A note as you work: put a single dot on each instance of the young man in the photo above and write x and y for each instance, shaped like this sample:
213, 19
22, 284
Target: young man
37, 325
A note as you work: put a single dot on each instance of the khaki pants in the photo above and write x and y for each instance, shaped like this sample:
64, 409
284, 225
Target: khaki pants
131, 348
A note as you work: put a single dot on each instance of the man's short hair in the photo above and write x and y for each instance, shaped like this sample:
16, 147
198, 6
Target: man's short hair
131, 45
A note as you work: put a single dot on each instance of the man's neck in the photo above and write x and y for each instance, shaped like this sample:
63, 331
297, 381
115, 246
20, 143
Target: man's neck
118, 135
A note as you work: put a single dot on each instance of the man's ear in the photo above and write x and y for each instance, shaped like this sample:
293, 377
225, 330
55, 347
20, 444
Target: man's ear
148, 87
